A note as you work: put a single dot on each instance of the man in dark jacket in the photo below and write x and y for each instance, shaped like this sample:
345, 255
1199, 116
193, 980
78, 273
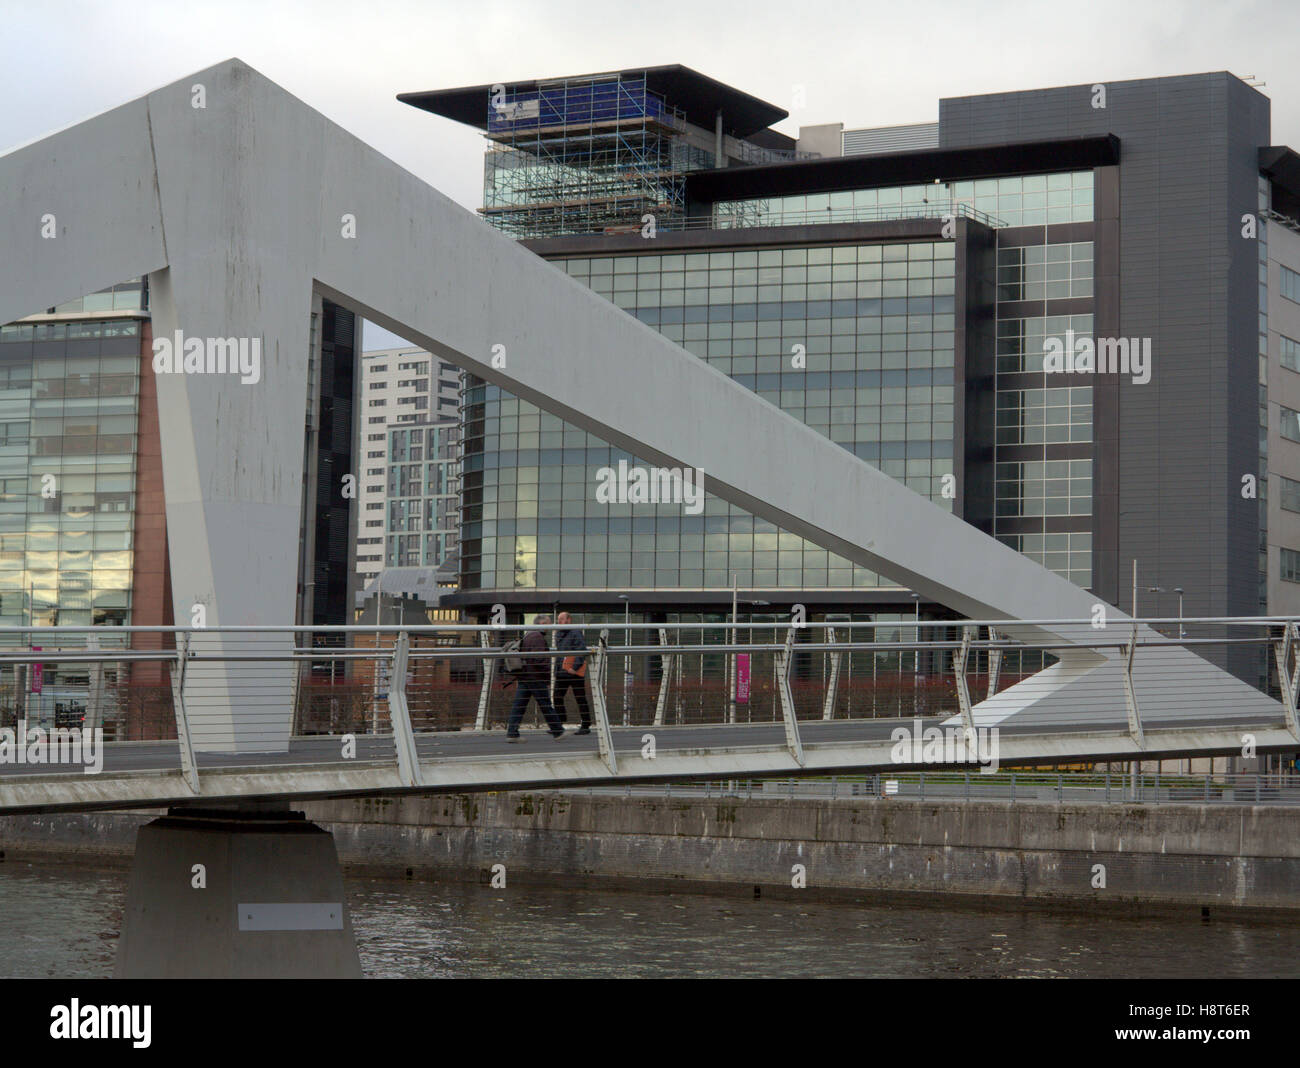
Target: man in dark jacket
571, 672
534, 682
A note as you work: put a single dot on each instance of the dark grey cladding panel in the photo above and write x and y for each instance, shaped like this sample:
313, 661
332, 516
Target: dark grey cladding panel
1188, 169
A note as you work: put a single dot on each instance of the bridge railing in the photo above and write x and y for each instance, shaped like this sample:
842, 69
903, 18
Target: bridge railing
307, 694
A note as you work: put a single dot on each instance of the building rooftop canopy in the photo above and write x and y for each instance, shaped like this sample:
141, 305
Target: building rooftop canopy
696, 95
1281, 164
916, 166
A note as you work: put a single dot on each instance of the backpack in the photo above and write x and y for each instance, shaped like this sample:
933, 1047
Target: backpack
513, 662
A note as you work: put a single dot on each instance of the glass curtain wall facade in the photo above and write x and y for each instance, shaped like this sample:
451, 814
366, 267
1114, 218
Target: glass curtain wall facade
1027, 200
69, 394
876, 324
1038, 416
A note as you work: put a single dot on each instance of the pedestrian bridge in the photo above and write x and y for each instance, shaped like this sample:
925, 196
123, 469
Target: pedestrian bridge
244, 207
379, 710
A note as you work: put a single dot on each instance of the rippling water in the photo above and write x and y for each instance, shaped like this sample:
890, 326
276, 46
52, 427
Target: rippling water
62, 920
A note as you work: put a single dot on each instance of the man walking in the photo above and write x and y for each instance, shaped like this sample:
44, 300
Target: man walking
534, 683
571, 673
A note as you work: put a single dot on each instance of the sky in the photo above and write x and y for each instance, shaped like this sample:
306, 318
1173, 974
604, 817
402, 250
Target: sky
858, 62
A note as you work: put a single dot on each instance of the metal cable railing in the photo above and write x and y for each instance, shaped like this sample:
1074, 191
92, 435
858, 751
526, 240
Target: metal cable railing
302, 695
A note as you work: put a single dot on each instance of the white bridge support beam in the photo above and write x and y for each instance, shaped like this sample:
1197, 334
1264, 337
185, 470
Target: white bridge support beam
239, 211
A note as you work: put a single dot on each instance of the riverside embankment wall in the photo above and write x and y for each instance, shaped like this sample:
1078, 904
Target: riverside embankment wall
1201, 856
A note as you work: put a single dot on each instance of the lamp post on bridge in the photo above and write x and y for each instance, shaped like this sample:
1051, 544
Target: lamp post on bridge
916, 657
627, 660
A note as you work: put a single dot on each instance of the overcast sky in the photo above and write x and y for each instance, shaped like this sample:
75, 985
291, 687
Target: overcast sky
858, 62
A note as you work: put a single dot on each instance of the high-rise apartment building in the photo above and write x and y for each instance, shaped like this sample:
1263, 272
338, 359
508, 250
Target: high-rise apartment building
407, 505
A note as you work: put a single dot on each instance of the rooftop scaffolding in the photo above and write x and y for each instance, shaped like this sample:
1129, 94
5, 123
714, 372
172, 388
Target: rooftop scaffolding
585, 155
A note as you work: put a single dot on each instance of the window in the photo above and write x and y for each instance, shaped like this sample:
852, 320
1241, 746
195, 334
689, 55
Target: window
378, 402
378, 385
379, 368
1290, 284
377, 419
1290, 494
1290, 423
1290, 565
375, 437
375, 455
1290, 353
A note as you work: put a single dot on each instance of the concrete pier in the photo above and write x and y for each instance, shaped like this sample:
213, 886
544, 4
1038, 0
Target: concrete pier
235, 894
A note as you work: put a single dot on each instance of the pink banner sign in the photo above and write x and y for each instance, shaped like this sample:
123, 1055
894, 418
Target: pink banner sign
742, 678
38, 673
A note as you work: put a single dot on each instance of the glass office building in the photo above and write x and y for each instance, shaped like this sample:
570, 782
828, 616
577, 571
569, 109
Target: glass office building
69, 405
875, 325
922, 272
1038, 417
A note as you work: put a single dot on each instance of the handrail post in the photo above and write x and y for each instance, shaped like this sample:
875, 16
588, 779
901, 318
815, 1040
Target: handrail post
95, 695
833, 683
1130, 695
489, 676
963, 690
189, 768
995, 663
600, 710
408, 758
783, 659
665, 674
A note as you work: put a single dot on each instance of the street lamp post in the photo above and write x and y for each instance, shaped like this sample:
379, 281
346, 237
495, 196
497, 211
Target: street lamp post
750, 705
733, 668
1181, 633
916, 657
627, 660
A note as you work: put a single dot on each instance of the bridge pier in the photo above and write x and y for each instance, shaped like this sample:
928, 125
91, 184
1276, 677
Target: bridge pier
250, 891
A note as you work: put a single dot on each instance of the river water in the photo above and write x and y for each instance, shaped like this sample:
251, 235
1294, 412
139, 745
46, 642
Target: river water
61, 920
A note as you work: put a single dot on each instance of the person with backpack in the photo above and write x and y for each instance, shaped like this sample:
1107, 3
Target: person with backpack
571, 673
534, 680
